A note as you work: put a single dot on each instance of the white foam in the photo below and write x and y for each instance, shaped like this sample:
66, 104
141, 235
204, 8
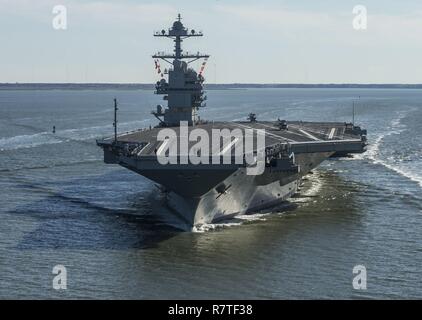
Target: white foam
373, 151
78, 134
403, 172
253, 216
28, 141
213, 226
97, 131
234, 222
316, 185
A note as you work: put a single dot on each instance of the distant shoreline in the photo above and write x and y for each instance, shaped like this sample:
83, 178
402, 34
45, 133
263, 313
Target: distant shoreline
223, 86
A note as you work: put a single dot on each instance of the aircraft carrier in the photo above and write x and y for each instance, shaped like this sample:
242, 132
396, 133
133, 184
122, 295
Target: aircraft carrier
206, 192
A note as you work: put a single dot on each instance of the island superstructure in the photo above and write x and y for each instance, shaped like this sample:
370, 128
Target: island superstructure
184, 89
206, 192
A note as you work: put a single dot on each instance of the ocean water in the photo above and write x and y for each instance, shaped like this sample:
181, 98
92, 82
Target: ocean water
60, 205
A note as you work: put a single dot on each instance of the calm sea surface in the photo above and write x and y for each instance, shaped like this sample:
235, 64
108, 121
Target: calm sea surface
59, 204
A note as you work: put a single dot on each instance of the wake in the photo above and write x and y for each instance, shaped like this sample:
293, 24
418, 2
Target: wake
61, 136
373, 153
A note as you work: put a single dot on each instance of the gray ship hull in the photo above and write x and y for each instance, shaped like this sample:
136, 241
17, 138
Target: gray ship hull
207, 193
245, 194
205, 196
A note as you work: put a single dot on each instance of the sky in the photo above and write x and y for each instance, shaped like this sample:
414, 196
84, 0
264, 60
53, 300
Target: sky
267, 41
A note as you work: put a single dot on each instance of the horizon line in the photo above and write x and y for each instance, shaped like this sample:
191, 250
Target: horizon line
222, 83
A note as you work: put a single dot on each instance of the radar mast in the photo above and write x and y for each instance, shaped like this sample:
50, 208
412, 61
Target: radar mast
184, 88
